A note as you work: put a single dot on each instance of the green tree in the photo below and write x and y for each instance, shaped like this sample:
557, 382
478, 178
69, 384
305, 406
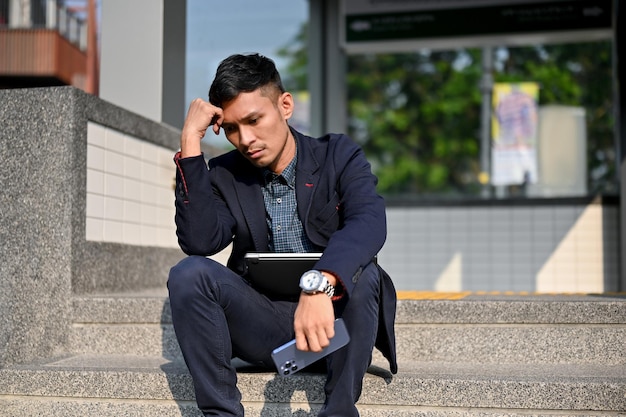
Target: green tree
295, 76
418, 118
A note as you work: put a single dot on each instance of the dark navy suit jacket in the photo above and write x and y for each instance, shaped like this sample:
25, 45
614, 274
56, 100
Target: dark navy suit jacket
337, 202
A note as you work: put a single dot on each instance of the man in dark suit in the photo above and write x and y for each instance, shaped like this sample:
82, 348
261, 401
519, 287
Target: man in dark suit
278, 191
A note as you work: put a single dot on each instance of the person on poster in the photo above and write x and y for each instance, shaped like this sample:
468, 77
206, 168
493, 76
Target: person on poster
515, 122
517, 116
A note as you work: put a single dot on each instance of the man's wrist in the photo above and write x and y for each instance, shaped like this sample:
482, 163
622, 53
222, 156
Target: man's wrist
332, 280
190, 146
336, 283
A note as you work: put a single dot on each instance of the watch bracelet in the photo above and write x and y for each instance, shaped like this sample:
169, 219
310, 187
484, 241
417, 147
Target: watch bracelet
329, 290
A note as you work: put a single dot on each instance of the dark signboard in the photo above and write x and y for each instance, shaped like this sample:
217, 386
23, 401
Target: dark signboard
551, 16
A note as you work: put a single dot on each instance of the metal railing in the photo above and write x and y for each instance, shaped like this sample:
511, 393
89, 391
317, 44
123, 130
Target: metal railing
44, 14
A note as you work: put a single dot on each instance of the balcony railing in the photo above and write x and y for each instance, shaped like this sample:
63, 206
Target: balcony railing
44, 14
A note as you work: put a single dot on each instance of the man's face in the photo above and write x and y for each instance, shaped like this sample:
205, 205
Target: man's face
256, 124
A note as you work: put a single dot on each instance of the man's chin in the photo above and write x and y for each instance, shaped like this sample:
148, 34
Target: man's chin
259, 163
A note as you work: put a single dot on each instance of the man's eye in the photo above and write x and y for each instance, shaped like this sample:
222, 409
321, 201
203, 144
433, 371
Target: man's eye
253, 121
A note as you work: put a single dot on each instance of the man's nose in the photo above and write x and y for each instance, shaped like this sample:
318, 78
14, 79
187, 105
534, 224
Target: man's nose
246, 136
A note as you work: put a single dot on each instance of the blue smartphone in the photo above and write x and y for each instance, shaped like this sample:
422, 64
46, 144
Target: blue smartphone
289, 360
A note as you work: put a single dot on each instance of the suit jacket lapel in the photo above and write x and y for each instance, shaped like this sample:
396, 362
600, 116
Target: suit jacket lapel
307, 176
248, 189
250, 196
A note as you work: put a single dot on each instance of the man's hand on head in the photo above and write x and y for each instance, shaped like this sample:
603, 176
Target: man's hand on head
200, 116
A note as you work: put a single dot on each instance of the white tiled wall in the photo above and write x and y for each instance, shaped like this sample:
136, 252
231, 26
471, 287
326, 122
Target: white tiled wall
539, 248
130, 197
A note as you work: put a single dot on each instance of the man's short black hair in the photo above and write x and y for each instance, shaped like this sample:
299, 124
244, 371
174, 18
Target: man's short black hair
243, 74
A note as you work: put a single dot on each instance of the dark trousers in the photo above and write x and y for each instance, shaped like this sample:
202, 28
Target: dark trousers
217, 316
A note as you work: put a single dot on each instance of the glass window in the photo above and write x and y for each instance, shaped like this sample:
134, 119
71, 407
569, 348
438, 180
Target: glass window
418, 116
576, 148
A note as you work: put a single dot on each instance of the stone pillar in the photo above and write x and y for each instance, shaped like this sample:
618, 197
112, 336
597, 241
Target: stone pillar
327, 69
46, 255
37, 198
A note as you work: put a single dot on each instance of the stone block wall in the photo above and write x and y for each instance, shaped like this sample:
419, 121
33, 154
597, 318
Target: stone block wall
46, 255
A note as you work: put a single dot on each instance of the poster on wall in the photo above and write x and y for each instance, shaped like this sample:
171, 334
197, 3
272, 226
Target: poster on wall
514, 133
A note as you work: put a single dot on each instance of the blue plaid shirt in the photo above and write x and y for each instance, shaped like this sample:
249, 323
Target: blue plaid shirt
286, 233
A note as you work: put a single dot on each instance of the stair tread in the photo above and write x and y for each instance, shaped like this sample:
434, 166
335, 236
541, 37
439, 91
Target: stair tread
152, 306
425, 370
420, 369
515, 386
162, 291
28, 406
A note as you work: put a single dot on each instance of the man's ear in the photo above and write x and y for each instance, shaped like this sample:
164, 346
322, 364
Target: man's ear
286, 104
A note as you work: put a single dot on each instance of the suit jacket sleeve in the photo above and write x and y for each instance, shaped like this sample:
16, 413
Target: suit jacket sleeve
361, 226
204, 225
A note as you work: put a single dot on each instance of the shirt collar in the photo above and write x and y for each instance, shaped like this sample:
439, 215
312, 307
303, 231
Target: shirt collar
289, 173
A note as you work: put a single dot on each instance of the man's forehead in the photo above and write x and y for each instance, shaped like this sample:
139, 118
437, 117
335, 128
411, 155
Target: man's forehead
246, 105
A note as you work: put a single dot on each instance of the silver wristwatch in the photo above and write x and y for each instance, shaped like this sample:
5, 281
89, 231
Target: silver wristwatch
313, 282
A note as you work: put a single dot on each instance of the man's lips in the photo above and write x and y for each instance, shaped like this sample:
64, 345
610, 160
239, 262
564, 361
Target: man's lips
254, 153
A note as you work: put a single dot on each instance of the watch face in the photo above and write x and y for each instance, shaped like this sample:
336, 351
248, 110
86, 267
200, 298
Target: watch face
311, 281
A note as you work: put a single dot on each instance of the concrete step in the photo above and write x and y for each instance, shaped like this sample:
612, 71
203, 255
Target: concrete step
125, 339
575, 344
135, 323
107, 385
152, 306
512, 308
147, 306
483, 329
477, 356
26, 406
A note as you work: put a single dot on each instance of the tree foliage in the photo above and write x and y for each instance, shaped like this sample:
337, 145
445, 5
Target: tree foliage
295, 76
418, 119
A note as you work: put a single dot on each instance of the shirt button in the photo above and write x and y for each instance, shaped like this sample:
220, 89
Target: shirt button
279, 200
278, 227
